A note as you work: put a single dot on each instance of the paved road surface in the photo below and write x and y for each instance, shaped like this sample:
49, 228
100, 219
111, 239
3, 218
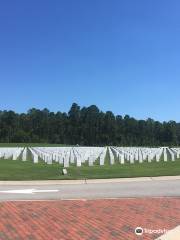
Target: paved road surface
154, 188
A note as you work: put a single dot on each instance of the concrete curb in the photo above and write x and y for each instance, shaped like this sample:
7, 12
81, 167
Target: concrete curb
88, 181
173, 234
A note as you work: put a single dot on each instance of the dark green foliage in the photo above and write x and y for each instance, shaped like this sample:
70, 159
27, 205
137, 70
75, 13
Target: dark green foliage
85, 126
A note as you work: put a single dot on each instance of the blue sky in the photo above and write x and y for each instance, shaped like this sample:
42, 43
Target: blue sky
123, 56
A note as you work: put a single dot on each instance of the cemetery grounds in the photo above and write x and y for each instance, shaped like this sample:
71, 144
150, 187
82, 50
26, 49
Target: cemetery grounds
28, 170
86, 219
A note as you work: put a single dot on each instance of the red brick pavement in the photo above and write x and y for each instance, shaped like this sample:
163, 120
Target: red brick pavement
87, 220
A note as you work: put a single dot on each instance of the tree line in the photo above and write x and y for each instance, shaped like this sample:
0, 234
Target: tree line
85, 126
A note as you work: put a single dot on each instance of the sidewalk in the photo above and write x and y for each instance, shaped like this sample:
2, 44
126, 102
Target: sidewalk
87, 181
88, 220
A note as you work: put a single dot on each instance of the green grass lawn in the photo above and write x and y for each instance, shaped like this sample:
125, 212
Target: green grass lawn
31, 145
18, 170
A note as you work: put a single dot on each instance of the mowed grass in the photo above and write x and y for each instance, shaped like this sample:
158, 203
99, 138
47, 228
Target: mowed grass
18, 170
31, 145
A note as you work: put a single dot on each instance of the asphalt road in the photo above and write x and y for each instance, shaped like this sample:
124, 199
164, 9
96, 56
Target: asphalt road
154, 188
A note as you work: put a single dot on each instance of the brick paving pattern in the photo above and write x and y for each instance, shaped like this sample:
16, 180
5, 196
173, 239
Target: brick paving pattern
87, 220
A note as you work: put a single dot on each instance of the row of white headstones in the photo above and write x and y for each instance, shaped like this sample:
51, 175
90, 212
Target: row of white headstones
92, 155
